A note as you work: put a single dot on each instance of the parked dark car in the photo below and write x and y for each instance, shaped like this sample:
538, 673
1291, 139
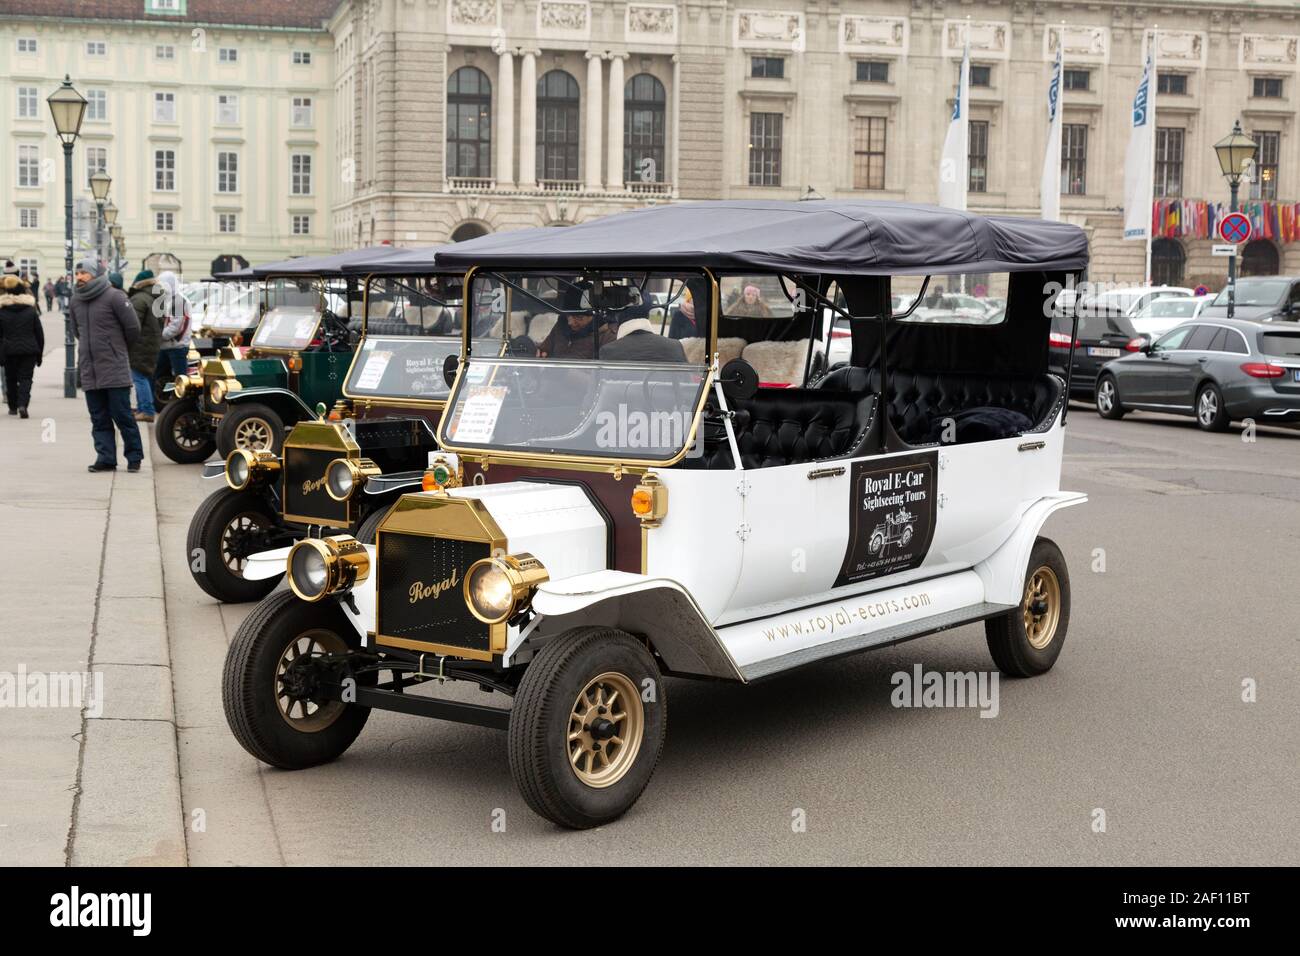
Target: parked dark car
1104, 334
1260, 298
1219, 371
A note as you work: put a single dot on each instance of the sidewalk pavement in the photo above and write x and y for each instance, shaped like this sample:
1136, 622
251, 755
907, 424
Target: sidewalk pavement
83, 780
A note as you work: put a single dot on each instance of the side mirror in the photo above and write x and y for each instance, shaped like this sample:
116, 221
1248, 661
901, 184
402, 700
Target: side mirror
449, 367
738, 379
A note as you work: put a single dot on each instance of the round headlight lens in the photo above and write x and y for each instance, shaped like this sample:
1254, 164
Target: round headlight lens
490, 592
237, 469
338, 479
217, 391
180, 385
307, 571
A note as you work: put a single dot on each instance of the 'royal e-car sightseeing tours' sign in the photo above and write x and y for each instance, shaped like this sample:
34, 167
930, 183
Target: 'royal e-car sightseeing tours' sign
892, 516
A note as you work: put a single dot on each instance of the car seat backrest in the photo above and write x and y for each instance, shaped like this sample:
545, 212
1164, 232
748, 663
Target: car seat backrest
778, 362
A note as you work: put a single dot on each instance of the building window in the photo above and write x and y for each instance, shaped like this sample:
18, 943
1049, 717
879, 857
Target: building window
644, 102
31, 267
1079, 80
1074, 158
228, 108
164, 52
164, 170
227, 222
164, 6
29, 218
301, 114
1266, 164
1268, 87
1172, 83
977, 157
227, 172
97, 105
557, 126
300, 174
301, 225
869, 152
1169, 162
469, 124
981, 75
769, 67
96, 48
227, 54
164, 107
765, 131
96, 161
28, 102
164, 221
1168, 262
26, 44
302, 58
872, 71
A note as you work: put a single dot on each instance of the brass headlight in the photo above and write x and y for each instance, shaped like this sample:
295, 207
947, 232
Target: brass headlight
318, 567
245, 468
344, 476
498, 588
217, 391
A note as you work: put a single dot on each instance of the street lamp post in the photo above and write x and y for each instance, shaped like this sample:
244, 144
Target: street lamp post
115, 244
1235, 151
110, 220
68, 108
100, 183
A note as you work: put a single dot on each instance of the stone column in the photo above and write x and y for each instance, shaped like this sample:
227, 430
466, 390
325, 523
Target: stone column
592, 131
528, 119
505, 125
674, 152
614, 154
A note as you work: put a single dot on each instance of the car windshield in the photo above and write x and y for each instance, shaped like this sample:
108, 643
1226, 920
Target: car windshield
590, 364
1256, 292
231, 306
1280, 343
1167, 308
293, 312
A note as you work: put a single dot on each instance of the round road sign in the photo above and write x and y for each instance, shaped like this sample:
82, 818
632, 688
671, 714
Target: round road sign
1235, 227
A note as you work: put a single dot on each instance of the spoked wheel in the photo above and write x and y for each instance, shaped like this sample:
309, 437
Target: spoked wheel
1210, 413
1107, 398
1025, 642
587, 727
877, 543
251, 428
183, 434
228, 528
275, 686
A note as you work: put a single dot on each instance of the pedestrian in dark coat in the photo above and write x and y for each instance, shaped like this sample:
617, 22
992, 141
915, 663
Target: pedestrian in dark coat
22, 342
144, 351
106, 325
49, 295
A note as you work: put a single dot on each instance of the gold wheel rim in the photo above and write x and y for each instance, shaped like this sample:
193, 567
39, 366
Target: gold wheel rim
605, 729
307, 716
253, 434
244, 521
1041, 607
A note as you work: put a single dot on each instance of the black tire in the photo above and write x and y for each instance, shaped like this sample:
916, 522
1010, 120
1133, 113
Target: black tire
1015, 652
1211, 415
248, 685
546, 702
1105, 398
366, 532
182, 433
250, 417
223, 547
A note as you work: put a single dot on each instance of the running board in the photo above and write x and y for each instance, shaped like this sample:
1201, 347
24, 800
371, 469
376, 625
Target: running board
862, 642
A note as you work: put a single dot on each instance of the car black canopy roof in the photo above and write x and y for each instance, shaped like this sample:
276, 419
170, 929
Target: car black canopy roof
332, 265
833, 237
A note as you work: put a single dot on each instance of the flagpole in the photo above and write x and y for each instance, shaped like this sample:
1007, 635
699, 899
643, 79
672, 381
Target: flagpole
1155, 91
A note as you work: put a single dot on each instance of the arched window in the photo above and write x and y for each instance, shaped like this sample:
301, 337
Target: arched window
1167, 262
643, 129
469, 124
557, 126
1260, 258
467, 230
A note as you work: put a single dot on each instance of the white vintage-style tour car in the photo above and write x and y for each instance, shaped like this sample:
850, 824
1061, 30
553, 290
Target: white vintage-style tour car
646, 478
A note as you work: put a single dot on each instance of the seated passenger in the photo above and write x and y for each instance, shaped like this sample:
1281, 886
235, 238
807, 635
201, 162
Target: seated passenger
750, 304
639, 342
683, 323
574, 335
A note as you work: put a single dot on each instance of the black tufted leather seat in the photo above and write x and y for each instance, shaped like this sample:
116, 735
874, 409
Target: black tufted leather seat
790, 426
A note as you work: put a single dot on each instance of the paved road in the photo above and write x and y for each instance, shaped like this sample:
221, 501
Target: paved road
1142, 717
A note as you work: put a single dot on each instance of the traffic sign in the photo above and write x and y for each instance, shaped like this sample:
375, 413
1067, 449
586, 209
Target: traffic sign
1235, 227
1223, 250
1200, 290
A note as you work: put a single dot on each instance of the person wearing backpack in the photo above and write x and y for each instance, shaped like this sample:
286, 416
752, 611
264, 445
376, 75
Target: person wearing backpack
176, 333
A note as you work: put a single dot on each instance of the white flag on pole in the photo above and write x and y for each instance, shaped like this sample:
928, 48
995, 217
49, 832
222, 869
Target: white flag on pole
956, 145
1050, 187
1139, 163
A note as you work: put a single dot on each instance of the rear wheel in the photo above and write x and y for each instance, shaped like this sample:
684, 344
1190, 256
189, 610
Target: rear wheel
1026, 642
1210, 413
183, 434
251, 427
228, 527
587, 727
1107, 398
271, 684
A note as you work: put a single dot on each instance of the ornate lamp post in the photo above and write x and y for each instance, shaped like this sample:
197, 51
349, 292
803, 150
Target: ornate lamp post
68, 108
115, 244
110, 221
1235, 152
100, 183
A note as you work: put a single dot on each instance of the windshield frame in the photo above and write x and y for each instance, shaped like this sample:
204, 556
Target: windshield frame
318, 283
255, 293
615, 464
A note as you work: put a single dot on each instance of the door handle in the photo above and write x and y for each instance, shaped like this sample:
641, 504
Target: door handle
825, 472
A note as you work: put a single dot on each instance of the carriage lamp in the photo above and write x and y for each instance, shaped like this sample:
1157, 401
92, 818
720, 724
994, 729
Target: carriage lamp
440, 475
221, 388
498, 588
184, 383
245, 468
319, 567
650, 501
344, 476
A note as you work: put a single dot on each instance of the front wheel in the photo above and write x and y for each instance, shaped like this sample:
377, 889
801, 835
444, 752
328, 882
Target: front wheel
1026, 642
229, 527
251, 427
183, 434
271, 685
1210, 413
587, 727
1107, 398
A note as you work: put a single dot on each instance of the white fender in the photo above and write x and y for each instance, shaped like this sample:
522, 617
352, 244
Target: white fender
266, 564
1003, 572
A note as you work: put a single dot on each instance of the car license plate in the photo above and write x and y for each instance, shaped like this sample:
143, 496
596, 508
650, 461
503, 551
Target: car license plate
1104, 353
1295, 373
